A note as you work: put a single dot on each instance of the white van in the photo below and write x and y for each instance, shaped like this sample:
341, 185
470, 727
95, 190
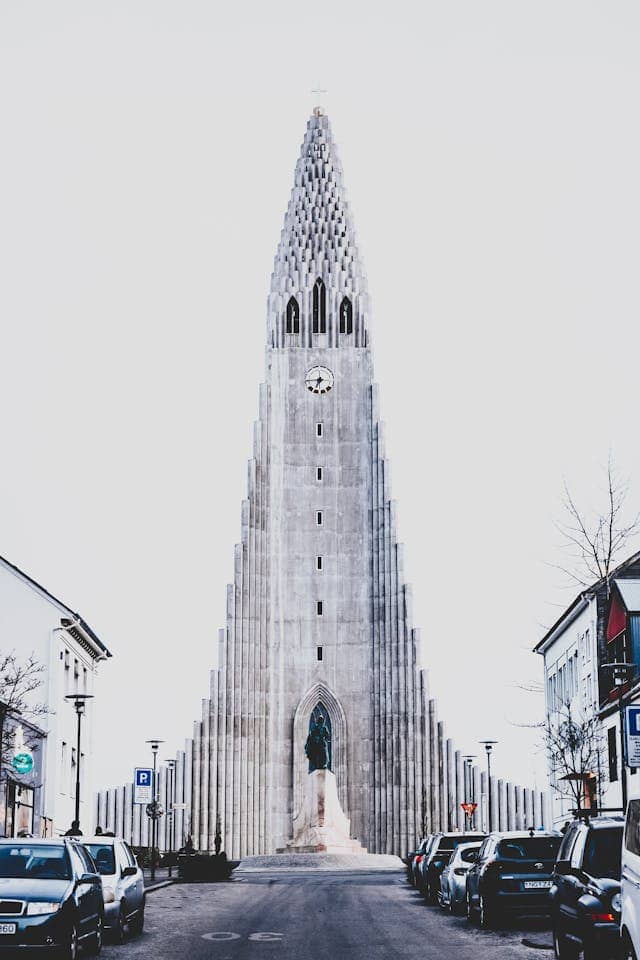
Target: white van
630, 922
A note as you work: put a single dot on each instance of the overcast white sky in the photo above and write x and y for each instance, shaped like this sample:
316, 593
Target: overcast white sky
491, 154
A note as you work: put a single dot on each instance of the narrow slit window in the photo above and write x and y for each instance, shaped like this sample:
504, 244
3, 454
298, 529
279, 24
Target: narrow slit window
318, 429
318, 473
318, 563
319, 517
319, 654
319, 608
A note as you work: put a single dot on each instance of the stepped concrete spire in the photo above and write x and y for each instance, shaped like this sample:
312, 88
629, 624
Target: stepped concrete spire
318, 242
318, 713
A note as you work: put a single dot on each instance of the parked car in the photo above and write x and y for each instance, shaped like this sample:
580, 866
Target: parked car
511, 875
630, 920
436, 858
51, 897
416, 860
122, 885
453, 880
585, 896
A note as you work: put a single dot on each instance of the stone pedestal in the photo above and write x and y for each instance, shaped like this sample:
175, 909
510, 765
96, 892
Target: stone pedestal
321, 826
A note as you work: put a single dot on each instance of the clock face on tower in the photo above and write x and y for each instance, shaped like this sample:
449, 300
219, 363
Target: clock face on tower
319, 380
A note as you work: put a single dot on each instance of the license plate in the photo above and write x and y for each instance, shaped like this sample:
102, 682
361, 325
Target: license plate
537, 884
7, 928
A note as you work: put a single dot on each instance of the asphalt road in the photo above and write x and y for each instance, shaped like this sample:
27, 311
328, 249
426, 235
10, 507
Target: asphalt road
316, 916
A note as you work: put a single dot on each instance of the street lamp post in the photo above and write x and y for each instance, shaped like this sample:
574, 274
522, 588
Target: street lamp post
468, 785
488, 745
171, 811
621, 674
79, 701
155, 746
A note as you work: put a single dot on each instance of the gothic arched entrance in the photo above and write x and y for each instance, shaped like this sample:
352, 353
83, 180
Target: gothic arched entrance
319, 698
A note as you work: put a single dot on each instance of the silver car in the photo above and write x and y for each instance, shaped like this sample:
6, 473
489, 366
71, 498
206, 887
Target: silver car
122, 884
453, 882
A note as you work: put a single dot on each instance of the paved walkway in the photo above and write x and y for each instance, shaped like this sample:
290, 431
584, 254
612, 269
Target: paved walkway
162, 876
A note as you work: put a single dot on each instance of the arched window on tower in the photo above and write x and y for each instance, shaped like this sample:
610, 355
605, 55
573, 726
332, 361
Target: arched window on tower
293, 316
346, 316
319, 307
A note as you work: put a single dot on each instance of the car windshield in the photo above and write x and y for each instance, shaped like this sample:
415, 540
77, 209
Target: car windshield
529, 848
37, 861
104, 857
603, 853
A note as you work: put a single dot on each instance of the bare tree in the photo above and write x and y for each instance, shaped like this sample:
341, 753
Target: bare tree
573, 745
596, 541
19, 679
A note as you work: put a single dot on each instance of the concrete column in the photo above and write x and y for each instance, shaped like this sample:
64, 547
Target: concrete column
519, 808
483, 803
451, 786
511, 807
495, 811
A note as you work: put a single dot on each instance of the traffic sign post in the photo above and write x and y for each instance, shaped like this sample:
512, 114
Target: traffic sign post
142, 785
632, 729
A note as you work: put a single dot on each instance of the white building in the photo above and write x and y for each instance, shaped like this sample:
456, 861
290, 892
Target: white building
33, 621
574, 650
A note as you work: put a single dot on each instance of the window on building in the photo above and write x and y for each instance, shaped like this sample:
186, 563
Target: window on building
63, 767
586, 645
72, 784
346, 316
319, 308
319, 517
319, 608
318, 473
318, 563
293, 316
318, 429
612, 740
319, 653
85, 680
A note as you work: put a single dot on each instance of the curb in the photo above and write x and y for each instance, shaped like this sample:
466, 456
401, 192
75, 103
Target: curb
159, 886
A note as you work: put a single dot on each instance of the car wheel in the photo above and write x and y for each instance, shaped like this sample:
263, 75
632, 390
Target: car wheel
471, 914
562, 949
137, 924
70, 950
454, 907
94, 945
120, 931
628, 953
487, 914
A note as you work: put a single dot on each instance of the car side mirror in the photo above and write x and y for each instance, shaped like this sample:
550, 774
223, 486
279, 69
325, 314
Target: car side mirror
472, 856
563, 868
129, 871
88, 878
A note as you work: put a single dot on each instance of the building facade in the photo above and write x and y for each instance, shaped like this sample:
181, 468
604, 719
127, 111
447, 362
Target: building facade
34, 622
596, 629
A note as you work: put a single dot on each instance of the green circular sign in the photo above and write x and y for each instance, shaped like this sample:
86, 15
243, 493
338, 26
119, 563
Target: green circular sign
23, 762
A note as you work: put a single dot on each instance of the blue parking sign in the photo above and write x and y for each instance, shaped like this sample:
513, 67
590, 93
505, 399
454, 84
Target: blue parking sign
142, 785
632, 724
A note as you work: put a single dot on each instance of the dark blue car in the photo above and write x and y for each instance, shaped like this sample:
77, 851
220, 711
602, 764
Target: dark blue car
50, 897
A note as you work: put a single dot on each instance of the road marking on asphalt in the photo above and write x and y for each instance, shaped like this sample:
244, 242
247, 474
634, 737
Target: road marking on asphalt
222, 935
264, 936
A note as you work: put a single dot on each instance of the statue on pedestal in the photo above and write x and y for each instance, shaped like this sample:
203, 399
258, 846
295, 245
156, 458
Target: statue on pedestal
318, 745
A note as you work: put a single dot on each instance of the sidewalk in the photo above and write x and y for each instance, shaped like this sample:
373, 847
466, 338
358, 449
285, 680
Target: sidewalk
162, 878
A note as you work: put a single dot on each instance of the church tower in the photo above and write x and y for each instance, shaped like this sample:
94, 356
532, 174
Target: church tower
318, 614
